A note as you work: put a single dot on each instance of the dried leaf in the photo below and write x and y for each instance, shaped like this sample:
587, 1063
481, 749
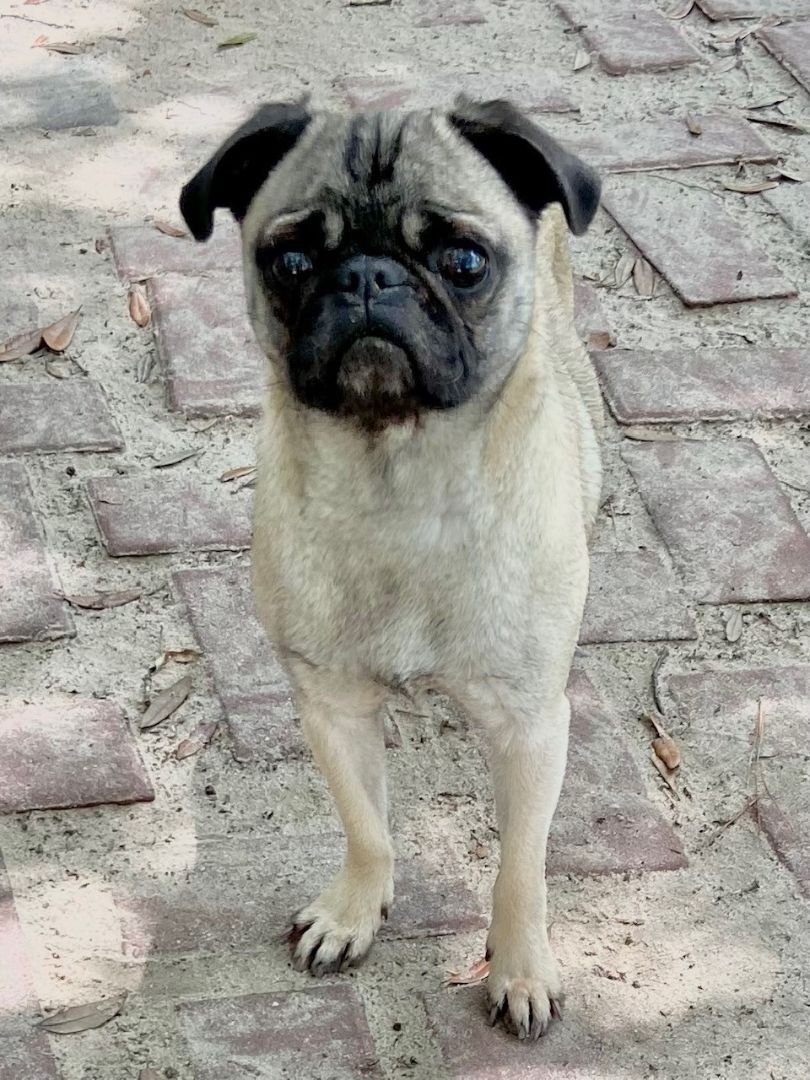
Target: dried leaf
643, 277
175, 459
101, 245
199, 17
182, 656
237, 39
666, 774
165, 703
199, 739
734, 626
693, 125
777, 121
57, 369
624, 269
787, 174
582, 59
235, 474
601, 339
667, 750
680, 9
82, 1017
768, 103
474, 977
20, 345
59, 335
101, 600
750, 187
139, 310
367, 3
640, 434
170, 230
726, 64
148, 1074
64, 47
40, 39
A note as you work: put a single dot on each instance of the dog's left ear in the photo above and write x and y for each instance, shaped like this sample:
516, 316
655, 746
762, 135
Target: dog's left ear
533, 164
241, 165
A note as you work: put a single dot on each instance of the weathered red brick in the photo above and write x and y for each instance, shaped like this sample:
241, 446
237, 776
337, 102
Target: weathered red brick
605, 823
27, 1057
535, 89
790, 44
629, 38
667, 143
17, 998
728, 526
705, 256
213, 365
634, 596
153, 514
30, 607
49, 416
243, 892
68, 752
141, 251
717, 714
671, 385
320, 1033
448, 13
754, 9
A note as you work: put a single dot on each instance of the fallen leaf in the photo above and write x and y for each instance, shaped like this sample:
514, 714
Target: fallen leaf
175, 459
582, 59
40, 39
101, 245
101, 600
182, 656
624, 269
148, 1074
787, 174
57, 369
768, 103
20, 345
474, 977
82, 1017
165, 703
199, 17
726, 64
734, 626
643, 277
170, 230
367, 3
693, 125
640, 434
666, 749
59, 335
666, 774
139, 310
63, 47
33, 2
199, 739
750, 187
680, 10
601, 339
777, 121
234, 474
237, 39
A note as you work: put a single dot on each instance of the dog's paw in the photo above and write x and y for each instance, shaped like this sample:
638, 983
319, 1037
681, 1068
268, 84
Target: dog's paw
338, 929
524, 994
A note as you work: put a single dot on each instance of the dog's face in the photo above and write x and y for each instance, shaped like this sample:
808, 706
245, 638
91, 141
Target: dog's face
389, 257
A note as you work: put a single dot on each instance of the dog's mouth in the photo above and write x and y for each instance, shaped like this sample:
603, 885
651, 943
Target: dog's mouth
377, 382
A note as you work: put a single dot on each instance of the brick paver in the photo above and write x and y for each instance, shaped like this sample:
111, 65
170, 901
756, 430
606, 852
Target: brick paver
26, 1057
150, 514
704, 255
30, 609
629, 39
728, 526
17, 999
141, 251
653, 605
69, 751
754, 9
717, 713
536, 89
320, 1033
667, 143
51, 416
212, 363
74, 97
437, 13
645, 386
790, 44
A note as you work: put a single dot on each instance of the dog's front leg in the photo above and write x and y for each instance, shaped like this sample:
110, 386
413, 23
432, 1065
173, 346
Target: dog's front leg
341, 719
528, 741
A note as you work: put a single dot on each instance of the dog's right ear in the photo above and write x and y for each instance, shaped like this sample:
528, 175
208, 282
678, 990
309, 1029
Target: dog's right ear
241, 165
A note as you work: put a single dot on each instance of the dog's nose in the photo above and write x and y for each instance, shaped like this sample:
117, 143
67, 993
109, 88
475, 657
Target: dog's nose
368, 275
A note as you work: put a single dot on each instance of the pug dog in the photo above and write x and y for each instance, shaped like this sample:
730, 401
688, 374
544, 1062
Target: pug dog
428, 471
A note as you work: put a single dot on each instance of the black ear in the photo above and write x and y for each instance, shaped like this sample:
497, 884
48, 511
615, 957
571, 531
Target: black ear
534, 165
241, 165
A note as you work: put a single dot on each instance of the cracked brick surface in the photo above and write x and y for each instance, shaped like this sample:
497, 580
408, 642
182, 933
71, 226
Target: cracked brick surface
628, 39
46, 417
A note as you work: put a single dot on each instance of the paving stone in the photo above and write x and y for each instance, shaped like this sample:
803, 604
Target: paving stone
472, 1050
68, 97
30, 609
250, 682
605, 822
437, 13
646, 386
535, 89
242, 893
667, 143
68, 752
790, 44
17, 998
320, 1033
212, 362
154, 514
792, 203
728, 526
49, 416
705, 256
717, 713
627, 39
141, 251
27, 1057
589, 316
634, 596
755, 9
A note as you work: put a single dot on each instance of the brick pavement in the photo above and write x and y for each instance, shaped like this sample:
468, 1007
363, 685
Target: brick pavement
678, 914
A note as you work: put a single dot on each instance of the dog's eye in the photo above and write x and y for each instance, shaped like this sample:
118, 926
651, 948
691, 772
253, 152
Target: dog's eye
292, 266
463, 266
